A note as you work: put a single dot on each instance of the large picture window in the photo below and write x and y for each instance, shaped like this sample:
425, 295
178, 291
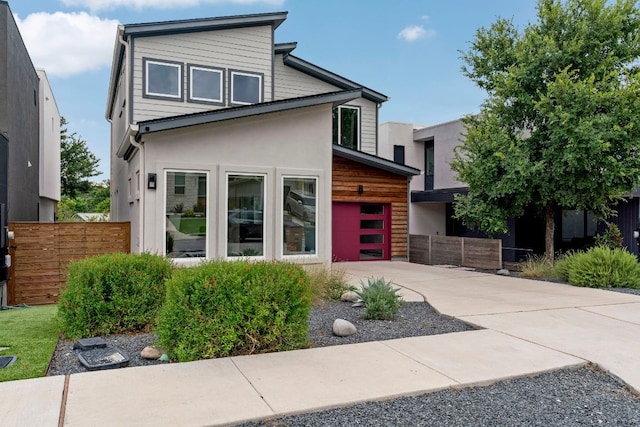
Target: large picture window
186, 214
205, 84
245, 215
300, 215
346, 126
246, 88
162, 79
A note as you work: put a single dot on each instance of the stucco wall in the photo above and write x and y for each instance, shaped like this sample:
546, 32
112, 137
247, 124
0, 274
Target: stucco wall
427, 219
277, 144
446, 137
49, 144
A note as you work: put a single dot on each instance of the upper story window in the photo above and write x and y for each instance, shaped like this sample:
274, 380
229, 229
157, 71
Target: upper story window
206, 84
398, 154
162, 79
246, 88
346, 126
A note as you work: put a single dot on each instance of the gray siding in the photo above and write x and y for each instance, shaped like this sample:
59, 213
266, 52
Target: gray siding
19, 121
246, 49
290, 83
368, 124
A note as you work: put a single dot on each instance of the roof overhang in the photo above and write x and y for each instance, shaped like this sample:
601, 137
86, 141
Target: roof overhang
374, 161
443, 196
177, 122
332, 78
284, 48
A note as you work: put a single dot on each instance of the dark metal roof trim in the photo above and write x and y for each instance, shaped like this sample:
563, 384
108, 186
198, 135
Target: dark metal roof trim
443, 195
332, 78
175, 122
204, 24
374, 161
284, 48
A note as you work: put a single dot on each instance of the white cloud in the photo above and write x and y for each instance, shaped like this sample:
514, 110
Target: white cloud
415, 32
96, 5
65, 44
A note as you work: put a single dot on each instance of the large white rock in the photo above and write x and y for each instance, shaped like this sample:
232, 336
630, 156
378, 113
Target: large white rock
349, 296
151, 353
343, 328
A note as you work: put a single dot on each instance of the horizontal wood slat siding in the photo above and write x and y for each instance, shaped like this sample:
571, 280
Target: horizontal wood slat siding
41, 252
450, 250
379, 187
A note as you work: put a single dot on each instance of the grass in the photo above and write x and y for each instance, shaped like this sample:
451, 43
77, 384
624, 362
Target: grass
538, 267
189, 225
31, 334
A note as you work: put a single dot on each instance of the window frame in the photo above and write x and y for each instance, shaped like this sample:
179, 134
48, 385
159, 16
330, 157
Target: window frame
282, 243
265, 214
259, 76
338, 136
145, 79
208, 225
190, 80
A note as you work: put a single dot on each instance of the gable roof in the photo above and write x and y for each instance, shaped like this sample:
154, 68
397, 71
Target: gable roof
374, 161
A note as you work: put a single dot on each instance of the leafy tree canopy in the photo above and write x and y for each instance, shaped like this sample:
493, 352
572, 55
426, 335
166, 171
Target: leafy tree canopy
560, 126
77, 163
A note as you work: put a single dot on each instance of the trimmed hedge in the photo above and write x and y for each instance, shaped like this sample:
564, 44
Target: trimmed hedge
600, 267
112, 293
221, 308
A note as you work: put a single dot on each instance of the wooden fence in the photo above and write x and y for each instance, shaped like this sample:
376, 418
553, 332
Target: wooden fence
463, 251
40, 253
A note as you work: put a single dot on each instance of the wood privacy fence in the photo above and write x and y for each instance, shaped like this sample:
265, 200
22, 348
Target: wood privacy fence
41, 252
463, 251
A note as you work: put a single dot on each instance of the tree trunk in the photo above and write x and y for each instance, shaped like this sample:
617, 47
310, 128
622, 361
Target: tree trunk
549, 233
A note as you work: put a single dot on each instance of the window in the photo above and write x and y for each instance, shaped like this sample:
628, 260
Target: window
162, 79
299, 216
429, 165
578, 225
179, 181
346, 126
186, 214
398, 154
205, 84
245, 215
246, 88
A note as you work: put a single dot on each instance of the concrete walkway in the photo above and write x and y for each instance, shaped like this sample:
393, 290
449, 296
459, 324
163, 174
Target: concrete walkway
531, 326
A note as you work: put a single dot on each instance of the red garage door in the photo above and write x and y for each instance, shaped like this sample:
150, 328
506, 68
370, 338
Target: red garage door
361, 231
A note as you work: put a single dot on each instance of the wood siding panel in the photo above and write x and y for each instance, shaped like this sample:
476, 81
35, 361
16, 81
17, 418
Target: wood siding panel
379, 187
41, 253
246, 49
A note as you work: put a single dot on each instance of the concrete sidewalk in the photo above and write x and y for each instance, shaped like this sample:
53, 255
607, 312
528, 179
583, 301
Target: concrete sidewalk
531, 327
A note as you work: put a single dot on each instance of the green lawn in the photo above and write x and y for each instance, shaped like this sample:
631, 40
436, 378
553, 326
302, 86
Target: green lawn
31, 334
194, 226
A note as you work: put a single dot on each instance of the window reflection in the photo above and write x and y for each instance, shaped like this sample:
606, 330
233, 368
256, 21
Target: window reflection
300, 214
185, 210
245, 215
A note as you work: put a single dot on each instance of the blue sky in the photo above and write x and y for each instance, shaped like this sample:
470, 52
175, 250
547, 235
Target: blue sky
406, 49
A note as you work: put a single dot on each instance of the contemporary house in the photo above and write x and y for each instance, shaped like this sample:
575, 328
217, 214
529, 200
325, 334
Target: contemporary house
430, 149
224, 144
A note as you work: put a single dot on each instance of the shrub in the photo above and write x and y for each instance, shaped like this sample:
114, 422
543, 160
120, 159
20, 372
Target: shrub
112, 293
220, 309
600, 267
327, 283
611, 238
381, 300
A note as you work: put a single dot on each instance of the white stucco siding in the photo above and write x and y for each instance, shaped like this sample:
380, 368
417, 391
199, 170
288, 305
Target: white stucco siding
393, 133
291, 83
446, 137
427, 219
49, 148
294, 143
243, 49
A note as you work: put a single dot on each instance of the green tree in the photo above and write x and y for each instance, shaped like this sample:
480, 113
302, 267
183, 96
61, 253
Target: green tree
559, 128
77, 163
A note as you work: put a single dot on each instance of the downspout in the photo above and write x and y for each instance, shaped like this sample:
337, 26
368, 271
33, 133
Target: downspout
133, 130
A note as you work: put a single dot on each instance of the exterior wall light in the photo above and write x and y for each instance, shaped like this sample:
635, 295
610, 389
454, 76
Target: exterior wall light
151, 181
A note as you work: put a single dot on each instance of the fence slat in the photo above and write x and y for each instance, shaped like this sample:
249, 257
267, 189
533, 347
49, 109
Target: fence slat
451, 250
41, 252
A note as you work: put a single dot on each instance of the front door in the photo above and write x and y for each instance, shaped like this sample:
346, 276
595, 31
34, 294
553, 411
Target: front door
361, 231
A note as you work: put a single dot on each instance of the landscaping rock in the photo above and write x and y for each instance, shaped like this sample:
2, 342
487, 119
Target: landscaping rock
151, 353
503, 272
343, 328
349, 296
